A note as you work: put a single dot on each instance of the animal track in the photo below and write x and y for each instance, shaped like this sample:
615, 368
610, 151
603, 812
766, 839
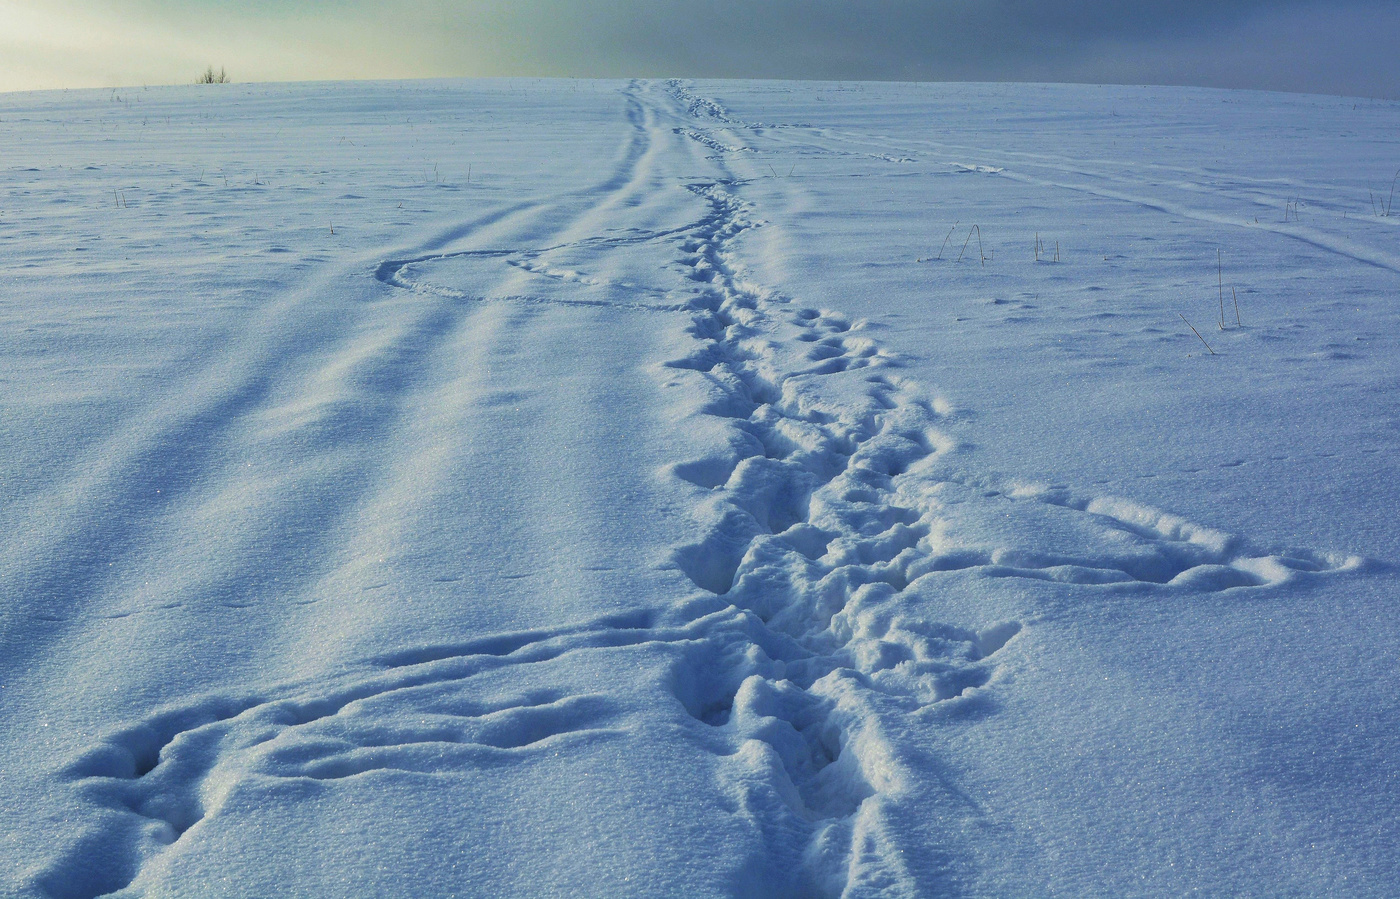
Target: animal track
809, 534
822, 544
416, 711
702, 137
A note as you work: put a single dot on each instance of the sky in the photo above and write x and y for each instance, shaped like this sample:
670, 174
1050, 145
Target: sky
1324, 46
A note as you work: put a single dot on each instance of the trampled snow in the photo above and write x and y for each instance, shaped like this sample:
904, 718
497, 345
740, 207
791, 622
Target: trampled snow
551, 488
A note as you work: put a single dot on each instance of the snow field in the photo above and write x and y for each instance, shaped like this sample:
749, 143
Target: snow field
583, 546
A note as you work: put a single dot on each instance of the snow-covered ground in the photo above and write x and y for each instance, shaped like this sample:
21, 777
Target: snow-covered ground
550, 488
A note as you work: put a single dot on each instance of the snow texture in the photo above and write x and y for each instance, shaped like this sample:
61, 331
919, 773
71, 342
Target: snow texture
551, 488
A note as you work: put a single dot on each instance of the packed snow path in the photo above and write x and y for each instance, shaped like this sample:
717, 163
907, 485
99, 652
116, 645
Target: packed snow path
565, 550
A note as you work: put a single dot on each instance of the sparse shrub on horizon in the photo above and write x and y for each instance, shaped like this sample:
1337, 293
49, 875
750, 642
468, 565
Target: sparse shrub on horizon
212, 77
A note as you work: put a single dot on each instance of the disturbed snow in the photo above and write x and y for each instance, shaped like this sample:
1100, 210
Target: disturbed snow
670, 488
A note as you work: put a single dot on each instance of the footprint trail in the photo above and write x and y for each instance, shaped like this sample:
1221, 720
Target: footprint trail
832, 506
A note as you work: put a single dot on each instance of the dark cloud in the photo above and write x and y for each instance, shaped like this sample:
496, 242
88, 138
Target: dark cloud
1342, 47
1336, 46
1248, 42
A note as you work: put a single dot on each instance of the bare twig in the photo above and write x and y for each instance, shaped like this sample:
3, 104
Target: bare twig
1237, 307
1198, 334
1220, 285
945, 240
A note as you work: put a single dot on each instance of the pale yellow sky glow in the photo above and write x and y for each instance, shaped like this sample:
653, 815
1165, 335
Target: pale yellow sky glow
49, 45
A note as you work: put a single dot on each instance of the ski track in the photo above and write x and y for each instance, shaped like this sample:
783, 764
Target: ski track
838, 503
1104, 185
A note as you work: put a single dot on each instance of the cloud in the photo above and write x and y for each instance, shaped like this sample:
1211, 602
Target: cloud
1340, 46
1242, 43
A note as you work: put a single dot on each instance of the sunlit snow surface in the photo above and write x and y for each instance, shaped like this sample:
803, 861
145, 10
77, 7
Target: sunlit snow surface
523, 488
